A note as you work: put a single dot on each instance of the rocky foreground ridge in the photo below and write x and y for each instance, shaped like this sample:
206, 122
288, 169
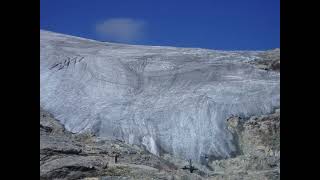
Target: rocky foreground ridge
65, 155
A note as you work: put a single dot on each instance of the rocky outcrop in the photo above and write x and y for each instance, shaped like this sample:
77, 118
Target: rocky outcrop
259, 145
269, 60
64, 155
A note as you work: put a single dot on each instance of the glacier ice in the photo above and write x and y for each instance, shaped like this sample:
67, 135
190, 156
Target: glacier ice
170, 100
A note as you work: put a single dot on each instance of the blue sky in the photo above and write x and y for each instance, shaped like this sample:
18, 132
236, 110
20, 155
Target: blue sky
213, 24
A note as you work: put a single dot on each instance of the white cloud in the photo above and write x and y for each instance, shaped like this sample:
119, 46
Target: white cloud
121, 29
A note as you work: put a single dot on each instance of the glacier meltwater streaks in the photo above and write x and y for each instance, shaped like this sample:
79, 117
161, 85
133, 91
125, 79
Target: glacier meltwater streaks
170, 100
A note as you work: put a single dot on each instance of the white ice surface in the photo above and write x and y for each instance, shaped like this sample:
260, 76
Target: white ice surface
168, 99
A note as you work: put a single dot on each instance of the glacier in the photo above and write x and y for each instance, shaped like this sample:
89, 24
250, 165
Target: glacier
167, 99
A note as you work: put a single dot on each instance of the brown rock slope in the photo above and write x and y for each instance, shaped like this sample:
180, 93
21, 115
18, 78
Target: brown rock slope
259, 142
269, 60
64, 155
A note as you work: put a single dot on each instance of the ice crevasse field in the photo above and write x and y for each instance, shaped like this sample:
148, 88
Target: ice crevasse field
167, 99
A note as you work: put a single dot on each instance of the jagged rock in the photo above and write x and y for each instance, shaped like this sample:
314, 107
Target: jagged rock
73, 167
64, 155
269, 60
259, 142
50, 125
